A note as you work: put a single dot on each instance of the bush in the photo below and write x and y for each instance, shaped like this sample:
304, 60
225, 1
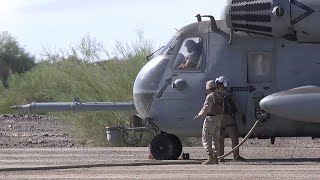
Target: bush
13, 58
64, 76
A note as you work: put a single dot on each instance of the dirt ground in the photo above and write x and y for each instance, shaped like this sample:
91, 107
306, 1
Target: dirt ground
38, 147
33, 131
279, 162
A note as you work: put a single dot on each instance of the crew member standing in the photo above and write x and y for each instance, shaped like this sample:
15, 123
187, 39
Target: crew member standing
212, 109
228, 124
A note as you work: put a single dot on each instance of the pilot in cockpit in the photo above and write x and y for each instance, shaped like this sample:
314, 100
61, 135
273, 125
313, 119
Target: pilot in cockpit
191, 61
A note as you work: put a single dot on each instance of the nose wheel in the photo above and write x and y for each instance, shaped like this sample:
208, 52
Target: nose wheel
165, 147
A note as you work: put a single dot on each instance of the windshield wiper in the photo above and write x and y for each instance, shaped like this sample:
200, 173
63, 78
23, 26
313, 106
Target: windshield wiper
147, 58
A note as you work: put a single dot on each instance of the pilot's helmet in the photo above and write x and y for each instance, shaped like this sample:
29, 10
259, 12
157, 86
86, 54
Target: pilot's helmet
190, 44
210, 84
222, 80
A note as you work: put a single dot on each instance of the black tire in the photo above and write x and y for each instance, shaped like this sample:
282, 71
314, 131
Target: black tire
165, 147
177, 146
161, 147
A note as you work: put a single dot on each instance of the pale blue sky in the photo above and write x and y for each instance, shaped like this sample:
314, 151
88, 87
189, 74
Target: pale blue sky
58, 24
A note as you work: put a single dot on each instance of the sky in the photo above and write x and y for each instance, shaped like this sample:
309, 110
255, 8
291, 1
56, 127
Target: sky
60, 24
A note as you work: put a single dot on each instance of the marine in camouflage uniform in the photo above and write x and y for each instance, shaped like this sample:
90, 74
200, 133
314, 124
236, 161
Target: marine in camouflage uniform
228, 124
212, 110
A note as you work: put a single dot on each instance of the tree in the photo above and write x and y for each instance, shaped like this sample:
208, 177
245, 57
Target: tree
13, 58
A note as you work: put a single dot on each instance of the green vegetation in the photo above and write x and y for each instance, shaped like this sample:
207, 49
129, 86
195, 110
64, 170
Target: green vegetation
76, 74
13, 58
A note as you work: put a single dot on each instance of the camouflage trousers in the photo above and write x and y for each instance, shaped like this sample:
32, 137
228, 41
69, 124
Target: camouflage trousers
211, 134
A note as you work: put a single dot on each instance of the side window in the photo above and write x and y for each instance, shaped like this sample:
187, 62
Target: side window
190, 55
259, 67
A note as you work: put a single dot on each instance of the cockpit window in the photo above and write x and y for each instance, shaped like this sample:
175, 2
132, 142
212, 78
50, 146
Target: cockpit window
189, 56
169, 47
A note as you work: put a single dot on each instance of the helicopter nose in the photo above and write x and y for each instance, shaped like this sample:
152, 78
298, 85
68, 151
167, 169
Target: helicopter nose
143, 103
147, 83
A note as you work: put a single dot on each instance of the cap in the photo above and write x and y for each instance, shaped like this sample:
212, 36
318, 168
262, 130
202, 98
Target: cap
210, 84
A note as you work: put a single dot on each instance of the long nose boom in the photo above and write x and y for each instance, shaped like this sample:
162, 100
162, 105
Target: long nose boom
300, 104
76, 106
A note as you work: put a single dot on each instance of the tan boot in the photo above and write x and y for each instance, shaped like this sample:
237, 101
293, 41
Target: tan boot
239, 158
212, 160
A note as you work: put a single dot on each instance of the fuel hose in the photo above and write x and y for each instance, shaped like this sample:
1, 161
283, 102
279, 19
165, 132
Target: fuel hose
263, 117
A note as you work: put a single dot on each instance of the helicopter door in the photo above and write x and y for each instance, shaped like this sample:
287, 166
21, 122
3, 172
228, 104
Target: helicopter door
260, 76
187, 91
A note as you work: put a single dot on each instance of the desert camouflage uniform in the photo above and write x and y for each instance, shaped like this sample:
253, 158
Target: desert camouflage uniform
212, 109
228, 127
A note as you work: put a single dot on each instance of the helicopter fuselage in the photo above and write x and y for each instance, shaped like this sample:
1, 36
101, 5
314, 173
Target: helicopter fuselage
256, 66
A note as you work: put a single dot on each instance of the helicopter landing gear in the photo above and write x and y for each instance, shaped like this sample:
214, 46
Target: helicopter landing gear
177, 146
165, 147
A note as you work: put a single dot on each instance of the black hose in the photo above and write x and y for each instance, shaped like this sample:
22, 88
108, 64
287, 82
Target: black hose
131, 142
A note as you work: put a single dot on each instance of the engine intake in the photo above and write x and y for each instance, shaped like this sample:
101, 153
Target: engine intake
292, 19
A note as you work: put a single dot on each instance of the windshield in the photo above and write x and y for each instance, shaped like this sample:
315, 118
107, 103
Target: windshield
150, 75
147, 83
168, 48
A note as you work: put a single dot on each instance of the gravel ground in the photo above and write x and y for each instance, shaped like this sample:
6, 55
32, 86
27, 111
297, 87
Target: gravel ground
33, 131
37, 147
132, 163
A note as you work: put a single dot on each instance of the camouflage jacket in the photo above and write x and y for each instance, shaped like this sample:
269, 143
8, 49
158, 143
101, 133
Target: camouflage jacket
212, 105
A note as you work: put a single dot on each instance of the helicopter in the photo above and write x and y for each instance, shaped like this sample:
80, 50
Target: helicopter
269, 51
